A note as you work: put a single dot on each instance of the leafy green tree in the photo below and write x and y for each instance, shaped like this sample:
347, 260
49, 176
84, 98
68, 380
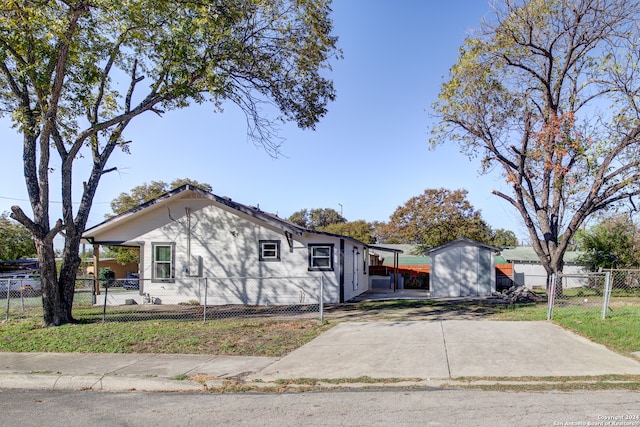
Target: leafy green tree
503, 238
74, 74
15, 240
315, 219
612, 243
360, 230
436, 217
546, 92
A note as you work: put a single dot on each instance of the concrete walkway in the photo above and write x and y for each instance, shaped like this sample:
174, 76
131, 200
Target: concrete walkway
426, 350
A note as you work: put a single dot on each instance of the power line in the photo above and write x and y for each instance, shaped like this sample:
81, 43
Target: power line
50, 201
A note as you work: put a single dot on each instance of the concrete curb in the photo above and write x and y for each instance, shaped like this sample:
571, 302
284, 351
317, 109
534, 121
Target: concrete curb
96, 383
56, 382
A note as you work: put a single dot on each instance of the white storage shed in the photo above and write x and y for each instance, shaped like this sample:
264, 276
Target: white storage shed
462, 267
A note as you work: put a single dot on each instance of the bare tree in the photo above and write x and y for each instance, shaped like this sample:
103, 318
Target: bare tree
547, 93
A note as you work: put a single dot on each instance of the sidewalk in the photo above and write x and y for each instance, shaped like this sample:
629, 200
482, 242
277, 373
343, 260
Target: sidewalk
438, 352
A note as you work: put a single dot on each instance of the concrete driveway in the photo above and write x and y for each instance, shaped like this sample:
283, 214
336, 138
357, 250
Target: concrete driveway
448, 349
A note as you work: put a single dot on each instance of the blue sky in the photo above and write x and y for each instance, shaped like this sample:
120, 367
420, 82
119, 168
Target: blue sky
368, 155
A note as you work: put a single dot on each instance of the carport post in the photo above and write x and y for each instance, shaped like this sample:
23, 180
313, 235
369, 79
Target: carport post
396, 261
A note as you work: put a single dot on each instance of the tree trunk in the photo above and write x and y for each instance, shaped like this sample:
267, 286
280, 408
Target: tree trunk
55, 310
555, 273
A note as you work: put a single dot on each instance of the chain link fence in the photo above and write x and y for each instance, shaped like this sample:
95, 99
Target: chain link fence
600, 294
213, 298
180, 299
19, 295
623, 296
597, 293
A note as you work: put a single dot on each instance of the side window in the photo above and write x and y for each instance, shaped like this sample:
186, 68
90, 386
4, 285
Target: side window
163, 265
321, 257
269, 250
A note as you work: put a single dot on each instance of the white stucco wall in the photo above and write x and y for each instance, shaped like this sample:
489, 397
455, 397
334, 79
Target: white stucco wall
227, 243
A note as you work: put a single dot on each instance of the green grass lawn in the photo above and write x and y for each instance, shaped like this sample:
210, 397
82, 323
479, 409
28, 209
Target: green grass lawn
222, 337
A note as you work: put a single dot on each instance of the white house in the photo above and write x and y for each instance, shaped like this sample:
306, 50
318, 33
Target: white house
191, 240
462, 267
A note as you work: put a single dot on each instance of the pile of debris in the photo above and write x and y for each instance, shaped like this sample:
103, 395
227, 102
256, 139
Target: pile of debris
518, 294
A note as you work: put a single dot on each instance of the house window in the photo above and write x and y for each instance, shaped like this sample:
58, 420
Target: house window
321, 257
269, 250
163, 261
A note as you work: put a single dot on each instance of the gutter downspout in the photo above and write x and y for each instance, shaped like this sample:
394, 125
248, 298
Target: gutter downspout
341, 270
188, 213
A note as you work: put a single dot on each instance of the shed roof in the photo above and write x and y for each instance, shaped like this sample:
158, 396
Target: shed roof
463, 241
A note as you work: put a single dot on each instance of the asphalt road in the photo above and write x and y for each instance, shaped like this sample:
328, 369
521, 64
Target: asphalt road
437, 407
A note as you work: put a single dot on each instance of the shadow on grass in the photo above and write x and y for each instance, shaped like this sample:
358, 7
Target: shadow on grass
371, 310
422, 309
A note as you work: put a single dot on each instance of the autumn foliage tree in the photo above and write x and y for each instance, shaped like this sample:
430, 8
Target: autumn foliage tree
74, 74
547, 93
435, 217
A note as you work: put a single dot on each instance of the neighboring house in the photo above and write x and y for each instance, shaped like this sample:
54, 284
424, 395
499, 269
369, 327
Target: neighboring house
121, 271
462, 267
191, 240
527, 270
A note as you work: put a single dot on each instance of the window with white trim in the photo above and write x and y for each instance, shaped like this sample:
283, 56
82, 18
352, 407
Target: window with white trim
269, 250
163, 256
321, 257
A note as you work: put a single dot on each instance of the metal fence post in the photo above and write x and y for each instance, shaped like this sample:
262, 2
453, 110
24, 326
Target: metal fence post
551, 295
608, 284
104, 307
204, 312
8, 298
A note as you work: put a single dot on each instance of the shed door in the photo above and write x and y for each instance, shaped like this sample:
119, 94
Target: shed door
445, 280
485, 276
469, 270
